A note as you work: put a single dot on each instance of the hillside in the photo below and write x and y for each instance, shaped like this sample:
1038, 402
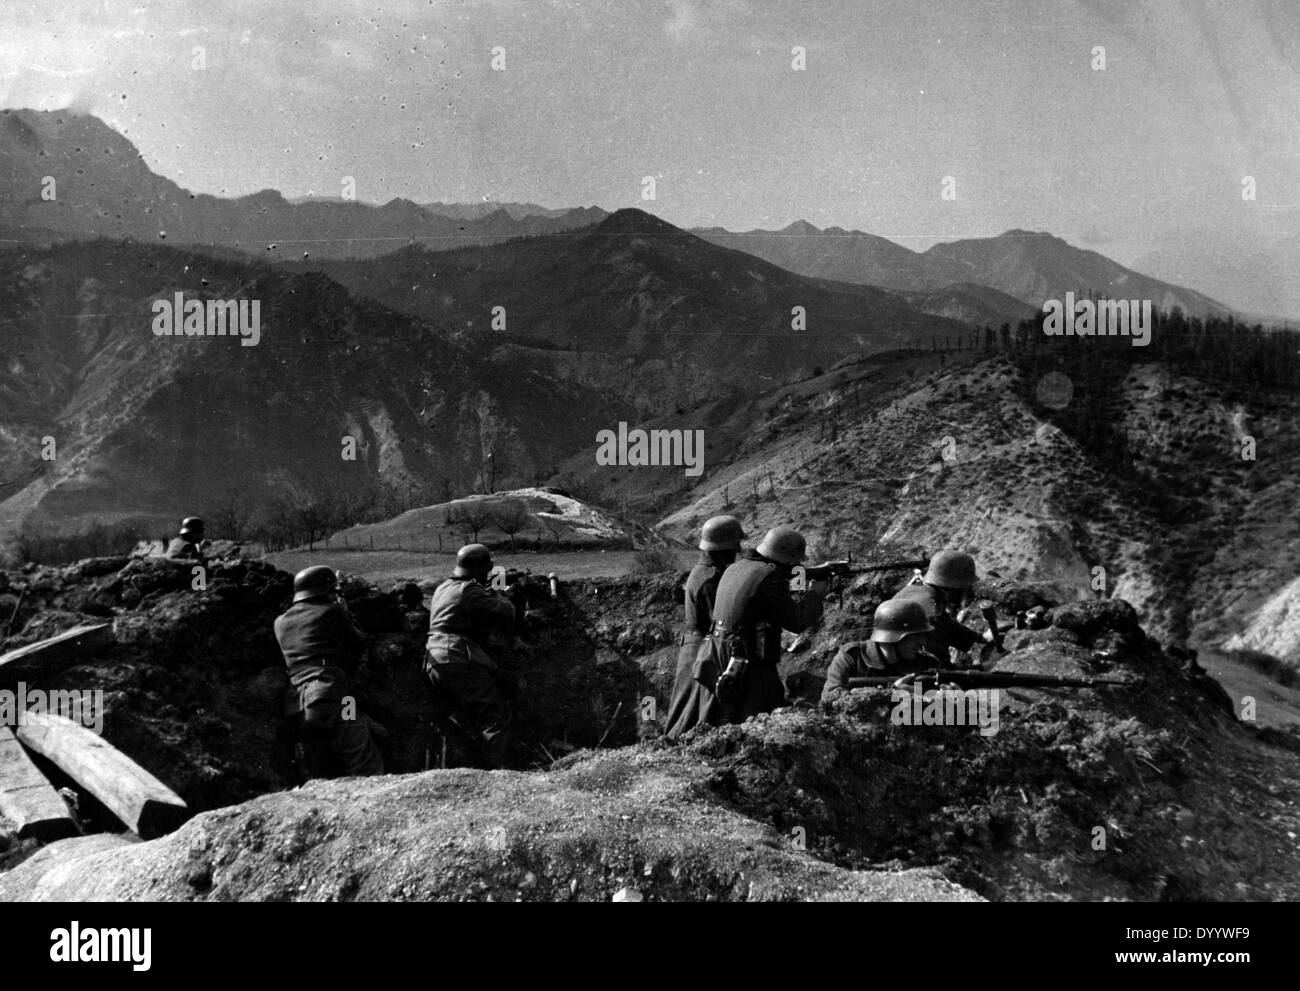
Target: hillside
982, 454
104, 188
636, 301
158, 427
547, 518
1025, 265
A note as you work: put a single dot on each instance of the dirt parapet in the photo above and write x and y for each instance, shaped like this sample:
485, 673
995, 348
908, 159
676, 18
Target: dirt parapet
1149, 790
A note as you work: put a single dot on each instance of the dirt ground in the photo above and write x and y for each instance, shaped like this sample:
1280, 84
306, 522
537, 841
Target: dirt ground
1148, 792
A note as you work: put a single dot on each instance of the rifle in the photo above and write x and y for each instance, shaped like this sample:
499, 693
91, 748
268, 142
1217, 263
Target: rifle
966, 678
844, 569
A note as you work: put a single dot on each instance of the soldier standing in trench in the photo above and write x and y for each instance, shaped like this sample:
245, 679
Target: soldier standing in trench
463, 615
321, 647
752, 607
692, 702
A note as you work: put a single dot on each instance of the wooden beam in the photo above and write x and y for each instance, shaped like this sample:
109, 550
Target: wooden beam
54, 653
130, 792
27, 799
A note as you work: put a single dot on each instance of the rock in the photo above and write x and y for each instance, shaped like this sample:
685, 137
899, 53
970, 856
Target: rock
627, 895
1089, 620
94, 567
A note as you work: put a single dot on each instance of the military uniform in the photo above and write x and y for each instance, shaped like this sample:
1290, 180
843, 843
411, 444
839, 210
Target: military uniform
753, 605
320, 646
462, 616
184, 549
693, 703
947, 631
865, 659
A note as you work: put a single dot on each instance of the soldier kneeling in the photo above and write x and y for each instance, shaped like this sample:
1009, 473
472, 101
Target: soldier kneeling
896, 648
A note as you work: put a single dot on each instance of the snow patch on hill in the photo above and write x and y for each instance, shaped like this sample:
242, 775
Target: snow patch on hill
582, 518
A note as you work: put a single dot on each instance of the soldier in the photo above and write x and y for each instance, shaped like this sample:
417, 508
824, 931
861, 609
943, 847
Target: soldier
896, 647
185, 547
321, 646
942, 591
693, 702
753, 605
463, 614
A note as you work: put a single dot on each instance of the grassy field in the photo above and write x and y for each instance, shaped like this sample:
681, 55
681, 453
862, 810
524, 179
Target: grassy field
386, 566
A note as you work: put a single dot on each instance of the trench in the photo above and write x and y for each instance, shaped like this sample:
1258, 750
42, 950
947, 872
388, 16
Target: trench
194, 685
195, 682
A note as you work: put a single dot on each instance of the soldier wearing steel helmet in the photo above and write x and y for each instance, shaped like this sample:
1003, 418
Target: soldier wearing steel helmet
942, 591
463, 615
753, 605
321, 647
186, 546
897, 647
692, 702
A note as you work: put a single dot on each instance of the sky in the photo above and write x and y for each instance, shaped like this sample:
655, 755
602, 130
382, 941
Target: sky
233, 96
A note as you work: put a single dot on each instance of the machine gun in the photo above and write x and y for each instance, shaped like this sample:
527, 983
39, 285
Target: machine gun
524, 588
833, 570
967, 678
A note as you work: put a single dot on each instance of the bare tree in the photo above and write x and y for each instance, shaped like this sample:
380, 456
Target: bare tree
231, 514
554, 529
279, 525
511, 517
473, 516
313, 518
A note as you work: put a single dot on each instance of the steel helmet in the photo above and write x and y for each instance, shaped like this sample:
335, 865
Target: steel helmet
472, 561
191, 524
784, 544
898, 618
721, 533
314, 582
951, 569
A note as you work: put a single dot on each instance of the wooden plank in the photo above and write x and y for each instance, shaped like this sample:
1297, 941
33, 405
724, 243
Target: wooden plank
55, 653
27, 799
145, 804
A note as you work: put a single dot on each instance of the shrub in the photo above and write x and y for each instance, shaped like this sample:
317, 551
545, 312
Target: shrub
654, 560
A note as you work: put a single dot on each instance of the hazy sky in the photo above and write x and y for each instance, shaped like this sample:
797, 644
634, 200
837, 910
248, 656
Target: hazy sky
700, 94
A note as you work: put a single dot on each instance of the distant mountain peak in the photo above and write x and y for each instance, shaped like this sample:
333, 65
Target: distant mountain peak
1017, 232
264, 196
800, 227
634, 221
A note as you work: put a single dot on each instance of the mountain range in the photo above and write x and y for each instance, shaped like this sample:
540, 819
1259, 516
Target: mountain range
823, 365
101, 187
1028, 266
635, 301
143, 426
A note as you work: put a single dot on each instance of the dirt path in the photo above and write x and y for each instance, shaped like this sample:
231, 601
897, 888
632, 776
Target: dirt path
1275, 704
